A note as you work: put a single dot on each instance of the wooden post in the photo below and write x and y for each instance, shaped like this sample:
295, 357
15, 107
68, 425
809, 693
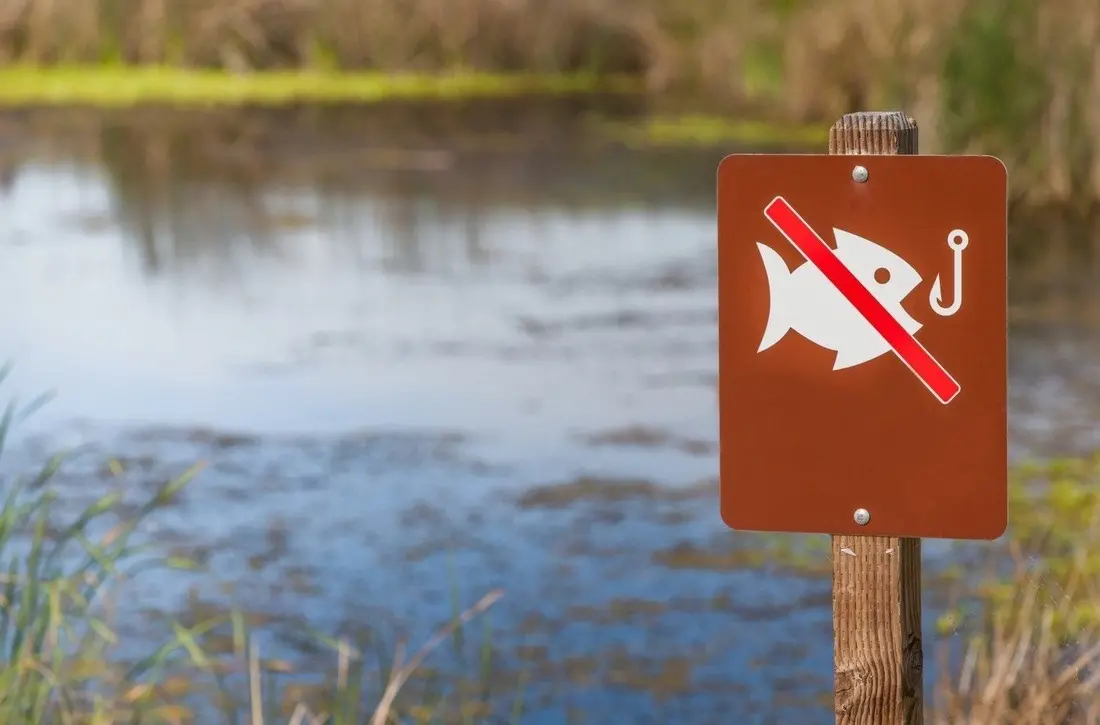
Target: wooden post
878, 659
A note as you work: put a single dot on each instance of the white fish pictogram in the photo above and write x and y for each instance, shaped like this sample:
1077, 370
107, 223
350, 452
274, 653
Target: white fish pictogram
807, 302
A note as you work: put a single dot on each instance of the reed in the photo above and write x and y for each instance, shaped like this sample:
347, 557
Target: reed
1031, 635
59, 644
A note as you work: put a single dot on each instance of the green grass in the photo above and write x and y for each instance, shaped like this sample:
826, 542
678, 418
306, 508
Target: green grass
709, 130
122, 86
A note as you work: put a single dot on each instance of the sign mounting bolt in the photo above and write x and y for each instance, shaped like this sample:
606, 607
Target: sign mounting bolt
860, 174
862, 516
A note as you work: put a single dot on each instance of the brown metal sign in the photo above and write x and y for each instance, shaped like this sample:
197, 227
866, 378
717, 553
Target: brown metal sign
862, 327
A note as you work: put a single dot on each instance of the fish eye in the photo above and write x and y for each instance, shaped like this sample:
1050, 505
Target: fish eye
882, 275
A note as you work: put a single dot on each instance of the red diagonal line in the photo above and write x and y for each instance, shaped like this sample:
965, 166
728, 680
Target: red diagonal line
908, 349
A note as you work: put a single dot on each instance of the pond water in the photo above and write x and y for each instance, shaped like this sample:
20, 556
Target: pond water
427, 352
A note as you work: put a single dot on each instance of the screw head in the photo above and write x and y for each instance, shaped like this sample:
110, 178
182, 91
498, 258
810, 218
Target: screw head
862, 516
859, 174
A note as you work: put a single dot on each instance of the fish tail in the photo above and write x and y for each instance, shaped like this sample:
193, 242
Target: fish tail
778, 274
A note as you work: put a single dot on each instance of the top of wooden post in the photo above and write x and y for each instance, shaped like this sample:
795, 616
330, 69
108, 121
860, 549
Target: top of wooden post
874, 132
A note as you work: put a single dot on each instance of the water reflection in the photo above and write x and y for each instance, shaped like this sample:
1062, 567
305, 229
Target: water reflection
412, 342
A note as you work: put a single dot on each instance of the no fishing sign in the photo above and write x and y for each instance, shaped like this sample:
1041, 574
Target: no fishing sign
862, 324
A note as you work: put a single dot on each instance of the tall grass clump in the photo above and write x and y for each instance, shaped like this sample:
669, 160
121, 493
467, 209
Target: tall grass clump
60, 662
1031, 654
55, 632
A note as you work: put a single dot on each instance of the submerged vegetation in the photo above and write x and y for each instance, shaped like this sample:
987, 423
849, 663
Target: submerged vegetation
1015, 78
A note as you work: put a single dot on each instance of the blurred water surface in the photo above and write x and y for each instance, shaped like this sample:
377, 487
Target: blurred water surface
428, 351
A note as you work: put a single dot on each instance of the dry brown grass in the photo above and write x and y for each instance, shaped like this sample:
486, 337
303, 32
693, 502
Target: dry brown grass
1023, 669
1032, 655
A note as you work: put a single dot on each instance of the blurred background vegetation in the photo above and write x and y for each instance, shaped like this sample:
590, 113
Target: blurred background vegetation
1014, 78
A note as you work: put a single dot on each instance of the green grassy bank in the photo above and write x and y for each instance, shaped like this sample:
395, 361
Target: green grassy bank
118, 86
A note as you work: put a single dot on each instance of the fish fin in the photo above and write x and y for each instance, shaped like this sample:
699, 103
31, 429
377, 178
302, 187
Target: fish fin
844, 239
778, 274
851, 359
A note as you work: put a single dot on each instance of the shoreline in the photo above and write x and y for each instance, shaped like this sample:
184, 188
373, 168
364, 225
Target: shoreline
106, 87
133, 87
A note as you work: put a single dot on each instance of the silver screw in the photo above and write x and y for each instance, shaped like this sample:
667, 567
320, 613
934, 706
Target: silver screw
862, 516
860, 174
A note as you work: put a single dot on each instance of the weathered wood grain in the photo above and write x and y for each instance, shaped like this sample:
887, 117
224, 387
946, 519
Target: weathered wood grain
877, 652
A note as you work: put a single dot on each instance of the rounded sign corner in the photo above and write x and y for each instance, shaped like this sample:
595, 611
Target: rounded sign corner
997, 531
994, 159
729, 160
730, 520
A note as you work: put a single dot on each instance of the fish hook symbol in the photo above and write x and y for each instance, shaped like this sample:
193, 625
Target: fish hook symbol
957, 240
